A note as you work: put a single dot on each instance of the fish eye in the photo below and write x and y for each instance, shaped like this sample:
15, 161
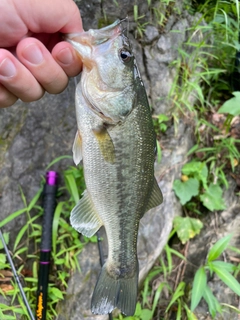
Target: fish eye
125, 55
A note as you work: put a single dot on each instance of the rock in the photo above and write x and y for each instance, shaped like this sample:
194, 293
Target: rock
151, 34
36, 134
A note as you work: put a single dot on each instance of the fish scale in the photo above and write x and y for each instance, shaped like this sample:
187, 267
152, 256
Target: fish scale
116, 143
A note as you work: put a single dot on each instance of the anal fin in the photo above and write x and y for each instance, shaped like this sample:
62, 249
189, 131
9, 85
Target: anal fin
84, 217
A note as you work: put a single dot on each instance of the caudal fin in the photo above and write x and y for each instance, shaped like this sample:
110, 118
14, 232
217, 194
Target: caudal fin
112, 293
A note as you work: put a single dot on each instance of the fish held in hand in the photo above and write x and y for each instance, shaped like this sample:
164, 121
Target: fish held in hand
116, 143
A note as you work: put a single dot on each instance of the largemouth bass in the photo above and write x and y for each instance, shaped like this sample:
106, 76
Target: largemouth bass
116, 142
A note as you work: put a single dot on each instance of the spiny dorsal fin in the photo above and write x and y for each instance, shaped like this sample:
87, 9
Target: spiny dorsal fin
84, 217
105, 144
77, 149
156, 197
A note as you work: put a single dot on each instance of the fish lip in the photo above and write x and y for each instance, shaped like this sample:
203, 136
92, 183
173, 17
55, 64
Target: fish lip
82, 38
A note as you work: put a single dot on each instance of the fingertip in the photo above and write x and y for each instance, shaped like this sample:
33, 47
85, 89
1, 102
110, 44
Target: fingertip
67, 58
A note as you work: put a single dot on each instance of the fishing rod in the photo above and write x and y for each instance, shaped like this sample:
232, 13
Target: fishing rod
16, 277
49, 205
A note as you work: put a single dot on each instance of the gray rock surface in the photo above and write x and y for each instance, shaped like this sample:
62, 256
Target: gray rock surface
33, 135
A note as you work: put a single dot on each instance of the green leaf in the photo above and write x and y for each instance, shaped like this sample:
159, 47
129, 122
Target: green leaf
159, 152
228, 279
156, 297
190, 314
218, 248
232, 106
146, 314
55, 226
138, 309
187, 227
186, 190
213, 304
72, 187
199, 285
12, 217
197, 170
56, 160
212, 198
20, 235
6, 238
56, 292
224, 265
2, 259
177, 294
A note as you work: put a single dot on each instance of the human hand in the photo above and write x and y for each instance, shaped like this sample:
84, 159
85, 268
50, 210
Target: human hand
33, 59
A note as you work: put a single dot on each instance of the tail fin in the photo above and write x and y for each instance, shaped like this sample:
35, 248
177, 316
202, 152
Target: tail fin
112, 293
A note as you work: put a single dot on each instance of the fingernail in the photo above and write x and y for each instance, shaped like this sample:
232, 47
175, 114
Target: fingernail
65, 56
7, 68
33, 54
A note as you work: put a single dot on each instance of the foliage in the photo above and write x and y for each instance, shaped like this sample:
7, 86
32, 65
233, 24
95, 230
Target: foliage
160, 123
222, 269
187, 228
232, 106
3, 257
66, 245
194, 183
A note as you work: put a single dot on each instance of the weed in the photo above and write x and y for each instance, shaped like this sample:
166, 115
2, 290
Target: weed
222, 269
194, 183
66, 246
140, 23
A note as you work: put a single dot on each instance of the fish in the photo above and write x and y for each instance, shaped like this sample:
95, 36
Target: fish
116, 143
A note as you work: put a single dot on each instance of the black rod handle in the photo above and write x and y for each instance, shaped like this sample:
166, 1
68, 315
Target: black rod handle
49, 205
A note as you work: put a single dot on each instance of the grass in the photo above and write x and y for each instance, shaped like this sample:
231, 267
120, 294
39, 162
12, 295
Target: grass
66, 245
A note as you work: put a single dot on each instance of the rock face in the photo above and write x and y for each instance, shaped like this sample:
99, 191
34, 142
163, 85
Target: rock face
32, 135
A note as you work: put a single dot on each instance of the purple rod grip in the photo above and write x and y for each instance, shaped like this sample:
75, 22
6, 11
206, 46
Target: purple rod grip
51, 178
49, 204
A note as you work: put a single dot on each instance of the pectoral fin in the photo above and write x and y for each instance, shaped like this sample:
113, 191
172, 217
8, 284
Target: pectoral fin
105, 144
77, 149
84, 217
156, 197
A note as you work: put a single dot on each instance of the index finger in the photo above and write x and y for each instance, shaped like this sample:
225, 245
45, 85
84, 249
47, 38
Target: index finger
18, 21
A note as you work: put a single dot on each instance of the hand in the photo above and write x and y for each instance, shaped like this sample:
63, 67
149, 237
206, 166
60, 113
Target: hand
33, 59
